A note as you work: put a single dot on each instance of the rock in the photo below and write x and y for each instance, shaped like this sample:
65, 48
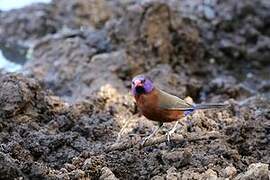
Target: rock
39, 20
83, 13
209, 175
165, 79
157, 178
232, 41
77, 174
171, 174
8, 168
69, 167
153, 34
106, 174
155, 27
230, 172
94, 165
189, 174
255, 171
23, 97
177, 158
34, 22
38, 171
17, 93
140, 22
79, 77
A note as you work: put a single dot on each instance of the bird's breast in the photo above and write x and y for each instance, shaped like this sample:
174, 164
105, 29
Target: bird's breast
148, 105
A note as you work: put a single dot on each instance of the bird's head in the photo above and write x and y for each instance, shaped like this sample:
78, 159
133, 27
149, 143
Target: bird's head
141, 84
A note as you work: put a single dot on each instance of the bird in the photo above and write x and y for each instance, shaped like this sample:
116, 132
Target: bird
162, 107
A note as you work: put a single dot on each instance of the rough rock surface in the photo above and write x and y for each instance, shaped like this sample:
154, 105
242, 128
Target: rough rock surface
256, 171
60, 118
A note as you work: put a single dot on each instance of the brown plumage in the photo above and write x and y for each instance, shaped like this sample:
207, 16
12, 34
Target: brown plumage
150, 106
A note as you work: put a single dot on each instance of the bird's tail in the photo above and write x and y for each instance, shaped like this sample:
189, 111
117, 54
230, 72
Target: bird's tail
210, 106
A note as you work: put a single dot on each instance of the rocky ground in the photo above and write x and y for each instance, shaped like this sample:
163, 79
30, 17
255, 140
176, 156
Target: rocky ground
61, 115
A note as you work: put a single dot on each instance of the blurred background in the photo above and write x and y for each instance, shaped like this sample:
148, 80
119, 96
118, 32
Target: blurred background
202, 42
5, 5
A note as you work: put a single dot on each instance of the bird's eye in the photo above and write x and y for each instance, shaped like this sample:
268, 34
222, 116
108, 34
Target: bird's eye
143, 80
133, 83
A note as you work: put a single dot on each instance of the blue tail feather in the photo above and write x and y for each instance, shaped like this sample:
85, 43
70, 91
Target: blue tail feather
203, 106
188, 112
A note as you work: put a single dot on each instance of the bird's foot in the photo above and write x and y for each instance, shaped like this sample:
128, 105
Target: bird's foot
119, 135
142, 143
170, 132
151, 135
169, 135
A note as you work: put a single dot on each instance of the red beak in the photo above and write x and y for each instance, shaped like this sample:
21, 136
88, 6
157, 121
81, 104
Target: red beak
138, 83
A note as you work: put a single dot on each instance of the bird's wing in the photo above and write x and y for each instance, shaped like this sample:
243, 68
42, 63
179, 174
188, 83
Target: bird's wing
171, 102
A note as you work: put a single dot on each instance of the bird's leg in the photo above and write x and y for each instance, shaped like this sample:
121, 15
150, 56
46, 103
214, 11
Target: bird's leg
160, 124
122, 131
170, 132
